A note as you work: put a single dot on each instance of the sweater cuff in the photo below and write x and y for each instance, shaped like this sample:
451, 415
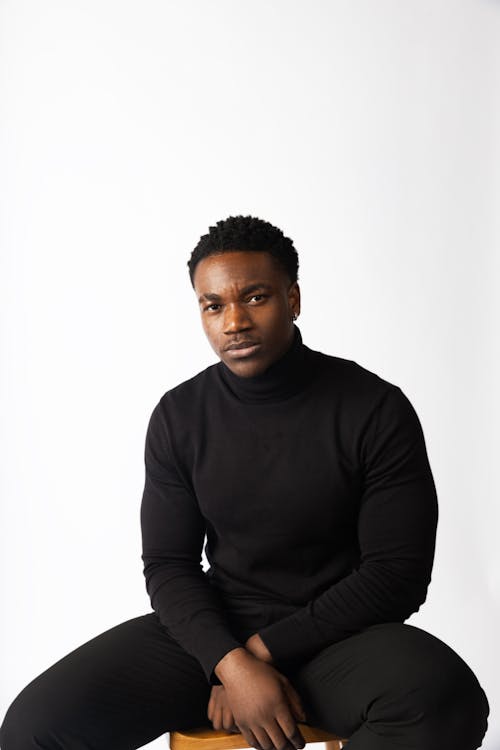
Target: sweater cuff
297, 637
220, 645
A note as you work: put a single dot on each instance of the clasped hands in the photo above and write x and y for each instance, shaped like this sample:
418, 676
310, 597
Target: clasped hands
256, 700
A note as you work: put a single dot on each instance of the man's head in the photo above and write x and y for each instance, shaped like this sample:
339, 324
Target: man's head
244, 273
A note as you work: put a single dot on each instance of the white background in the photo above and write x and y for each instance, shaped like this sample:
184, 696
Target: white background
368, 132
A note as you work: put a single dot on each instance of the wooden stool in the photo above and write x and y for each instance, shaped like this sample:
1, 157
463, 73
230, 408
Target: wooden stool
204, 738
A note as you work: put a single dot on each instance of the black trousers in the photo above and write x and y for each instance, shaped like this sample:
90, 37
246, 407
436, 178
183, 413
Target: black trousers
390, 687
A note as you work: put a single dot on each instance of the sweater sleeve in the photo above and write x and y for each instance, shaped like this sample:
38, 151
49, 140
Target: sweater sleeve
397, 524
173, 532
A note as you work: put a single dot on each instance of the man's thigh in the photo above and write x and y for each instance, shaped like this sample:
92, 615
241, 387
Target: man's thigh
120, 689
393, 685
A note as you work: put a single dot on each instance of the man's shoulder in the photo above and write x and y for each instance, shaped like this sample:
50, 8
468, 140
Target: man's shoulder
184, 393
179, 409
363, 394
361, 397
349, 376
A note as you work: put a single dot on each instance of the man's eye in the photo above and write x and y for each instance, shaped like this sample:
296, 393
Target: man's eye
215, 305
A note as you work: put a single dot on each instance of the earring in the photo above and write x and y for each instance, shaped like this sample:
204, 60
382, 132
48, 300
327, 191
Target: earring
294, 316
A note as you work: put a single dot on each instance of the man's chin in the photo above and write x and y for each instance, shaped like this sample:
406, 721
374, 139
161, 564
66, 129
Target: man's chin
246, 368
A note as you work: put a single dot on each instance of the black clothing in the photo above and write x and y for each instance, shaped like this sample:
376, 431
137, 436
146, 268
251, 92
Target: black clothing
390, 687
313, 485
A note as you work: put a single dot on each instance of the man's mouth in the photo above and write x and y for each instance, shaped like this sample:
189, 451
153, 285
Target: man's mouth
240, 344
243, 349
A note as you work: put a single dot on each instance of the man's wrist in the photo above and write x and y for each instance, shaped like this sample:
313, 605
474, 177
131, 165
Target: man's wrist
231, 663
258, 648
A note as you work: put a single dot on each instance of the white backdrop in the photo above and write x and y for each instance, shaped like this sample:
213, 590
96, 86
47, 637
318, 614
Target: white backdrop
368, 132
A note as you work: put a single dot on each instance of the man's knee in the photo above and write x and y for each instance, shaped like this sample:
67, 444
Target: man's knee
32, 722
455, 708
436, 690
398, 681
21, 727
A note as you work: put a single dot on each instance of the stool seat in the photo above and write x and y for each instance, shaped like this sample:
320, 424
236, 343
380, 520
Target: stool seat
205, 738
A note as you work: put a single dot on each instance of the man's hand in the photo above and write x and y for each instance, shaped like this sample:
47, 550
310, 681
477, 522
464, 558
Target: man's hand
220, 714
263, 704
258, 648
219, 711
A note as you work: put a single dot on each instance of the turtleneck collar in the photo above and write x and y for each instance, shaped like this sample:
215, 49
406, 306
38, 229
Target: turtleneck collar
282, 379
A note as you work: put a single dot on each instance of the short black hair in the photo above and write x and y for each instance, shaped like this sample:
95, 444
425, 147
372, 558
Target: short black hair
246, 233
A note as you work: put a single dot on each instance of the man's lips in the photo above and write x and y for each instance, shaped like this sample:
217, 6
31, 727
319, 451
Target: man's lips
241, 345
242, 349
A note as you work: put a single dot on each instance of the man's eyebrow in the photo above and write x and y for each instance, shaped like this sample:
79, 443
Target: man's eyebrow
246, 290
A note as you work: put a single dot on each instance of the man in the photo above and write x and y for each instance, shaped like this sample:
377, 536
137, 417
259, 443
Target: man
310, 478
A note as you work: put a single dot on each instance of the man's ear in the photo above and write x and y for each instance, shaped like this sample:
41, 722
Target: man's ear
294, 296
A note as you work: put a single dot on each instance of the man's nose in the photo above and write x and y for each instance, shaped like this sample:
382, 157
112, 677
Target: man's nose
236, 317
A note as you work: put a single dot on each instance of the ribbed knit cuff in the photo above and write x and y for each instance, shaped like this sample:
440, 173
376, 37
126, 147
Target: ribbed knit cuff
295, 637
212, 650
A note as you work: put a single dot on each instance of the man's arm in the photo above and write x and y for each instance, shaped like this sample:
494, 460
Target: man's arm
173, 532
396, 531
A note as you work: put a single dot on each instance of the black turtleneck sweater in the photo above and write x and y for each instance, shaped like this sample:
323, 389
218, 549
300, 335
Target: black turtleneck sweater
312, 484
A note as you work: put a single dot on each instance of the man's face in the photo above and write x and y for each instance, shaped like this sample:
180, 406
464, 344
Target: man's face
245, 297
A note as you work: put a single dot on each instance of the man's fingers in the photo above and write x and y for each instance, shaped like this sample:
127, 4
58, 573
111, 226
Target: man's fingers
295, 701
278, 739
250, 738
210, 707
278, 735
228, 720
290, 729
217, 720
268, 737
213, 701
